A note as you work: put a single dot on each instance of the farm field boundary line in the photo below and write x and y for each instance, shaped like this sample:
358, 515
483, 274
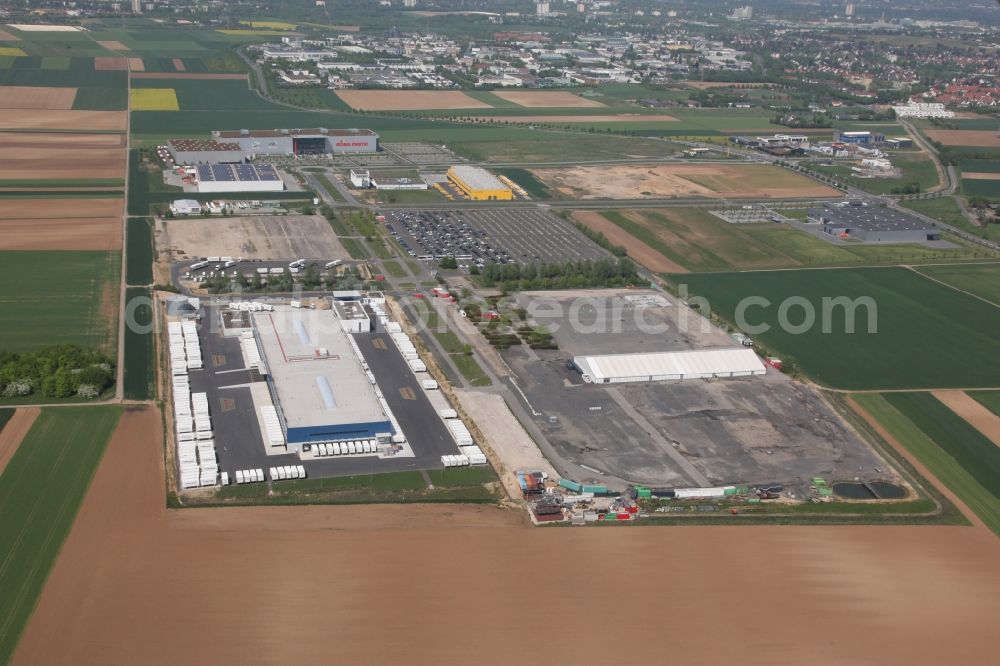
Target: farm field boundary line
14, 431
950, 286
974, 413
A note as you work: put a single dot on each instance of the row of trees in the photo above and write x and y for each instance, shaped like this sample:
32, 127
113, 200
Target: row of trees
569, 275
59, 371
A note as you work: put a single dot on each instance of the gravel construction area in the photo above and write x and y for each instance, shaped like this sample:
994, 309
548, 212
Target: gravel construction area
207, 585
684, 180
268, 237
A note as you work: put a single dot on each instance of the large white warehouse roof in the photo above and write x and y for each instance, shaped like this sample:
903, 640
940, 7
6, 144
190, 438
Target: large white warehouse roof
661, 366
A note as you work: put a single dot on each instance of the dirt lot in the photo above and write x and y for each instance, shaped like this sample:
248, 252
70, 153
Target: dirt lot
36, 97
112, 45
402, 100
978, 416
44, 119
543, 99
54, 161
683, 180
985, 138
136, 65
42, 209
980, 175
91, 233
252, 237
615, 118
636, 249
104, 63
14, 432
187, 75
444, 582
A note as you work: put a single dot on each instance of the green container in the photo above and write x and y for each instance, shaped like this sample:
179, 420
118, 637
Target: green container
729, 491
597, 490
753, 500
570, 485
644, 493
825, 492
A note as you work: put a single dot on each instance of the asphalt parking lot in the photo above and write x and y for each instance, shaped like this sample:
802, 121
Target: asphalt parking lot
239, 442
491, 235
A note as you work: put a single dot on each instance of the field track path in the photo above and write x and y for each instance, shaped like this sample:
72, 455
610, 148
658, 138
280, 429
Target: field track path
14, 432
920, 467
916, 269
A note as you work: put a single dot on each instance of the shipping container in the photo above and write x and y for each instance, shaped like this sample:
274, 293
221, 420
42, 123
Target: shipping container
570, 485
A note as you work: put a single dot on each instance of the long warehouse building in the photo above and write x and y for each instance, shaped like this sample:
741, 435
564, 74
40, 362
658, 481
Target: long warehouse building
667, 366
479, 184
317, 141
316, 381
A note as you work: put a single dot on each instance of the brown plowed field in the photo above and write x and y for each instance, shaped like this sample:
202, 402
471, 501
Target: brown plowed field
683, 180
7, 37
42, 119
637, 250
188, 75
403, 100
985, 138
136, 65
47, 209
65, 140
36, 97
15, 430
86, 233
179, 65
104, 63
444, 585
547, 98
53, 161
112, 45
980, 175
976, 414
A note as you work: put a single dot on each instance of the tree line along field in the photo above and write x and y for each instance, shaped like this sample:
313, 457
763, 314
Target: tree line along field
927, 334
955, 452
699, 241
983, 280
51, 298
40, 492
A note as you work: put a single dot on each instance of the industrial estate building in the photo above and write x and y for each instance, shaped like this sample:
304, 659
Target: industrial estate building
318, 141
315, 376
233, 147
238, 178
863, 138
872, 223
479, 184
665, 366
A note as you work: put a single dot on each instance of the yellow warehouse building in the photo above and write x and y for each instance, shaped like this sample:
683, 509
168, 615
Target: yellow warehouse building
479, 184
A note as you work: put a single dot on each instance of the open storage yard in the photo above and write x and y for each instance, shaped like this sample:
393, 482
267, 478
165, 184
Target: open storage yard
756, 430
36, 97
681, 180
405, 100
491, 235
928, 335
267, 237
547, 98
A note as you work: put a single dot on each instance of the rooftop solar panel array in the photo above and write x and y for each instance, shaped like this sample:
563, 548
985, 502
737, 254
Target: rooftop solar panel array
236, 172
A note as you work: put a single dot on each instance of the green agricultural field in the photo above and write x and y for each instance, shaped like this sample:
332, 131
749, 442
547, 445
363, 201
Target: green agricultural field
986, 189
49, 298
355, 248
40, 492
139, 255
928, 335
988, 399
138, 382
63, 78
700, 241
935, 456
917, 169
983, 280
211, 95
979, 166
101, 99
534, 187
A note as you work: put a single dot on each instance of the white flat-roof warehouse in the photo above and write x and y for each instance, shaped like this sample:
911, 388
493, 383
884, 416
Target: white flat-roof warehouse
316, 380
664, 366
